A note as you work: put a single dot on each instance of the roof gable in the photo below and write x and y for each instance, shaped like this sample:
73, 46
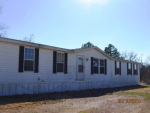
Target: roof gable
101, 51
96, 48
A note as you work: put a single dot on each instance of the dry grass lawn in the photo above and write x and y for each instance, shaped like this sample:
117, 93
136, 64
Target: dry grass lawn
88, 101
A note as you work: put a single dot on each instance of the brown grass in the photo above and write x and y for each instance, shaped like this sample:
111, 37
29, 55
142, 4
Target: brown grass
98, 110
145, 92
28, 104
31, 101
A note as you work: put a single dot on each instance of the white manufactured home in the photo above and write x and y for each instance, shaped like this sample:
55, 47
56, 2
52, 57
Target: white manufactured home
28, 68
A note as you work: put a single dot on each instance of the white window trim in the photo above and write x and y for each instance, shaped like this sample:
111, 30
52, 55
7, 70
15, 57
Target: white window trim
119, 64
130, 68
60, 62
136, 69
102, 66
29, 59
118, 68
135, 65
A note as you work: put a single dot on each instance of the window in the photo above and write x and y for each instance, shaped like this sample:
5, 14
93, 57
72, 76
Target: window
29, 59
60, 62
95, 65
129, 69
80, 65
102, 66
135, 69
129, 66
118, 68
118, 65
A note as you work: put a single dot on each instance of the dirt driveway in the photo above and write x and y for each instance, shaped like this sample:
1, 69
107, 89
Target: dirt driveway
89, 101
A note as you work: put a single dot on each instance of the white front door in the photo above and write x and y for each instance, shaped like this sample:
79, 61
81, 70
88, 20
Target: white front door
80, 67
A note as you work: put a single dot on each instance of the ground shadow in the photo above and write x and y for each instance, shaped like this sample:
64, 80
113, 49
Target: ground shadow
64, 95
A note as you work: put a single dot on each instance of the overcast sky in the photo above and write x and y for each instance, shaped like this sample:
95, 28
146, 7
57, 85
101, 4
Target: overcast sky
71, 23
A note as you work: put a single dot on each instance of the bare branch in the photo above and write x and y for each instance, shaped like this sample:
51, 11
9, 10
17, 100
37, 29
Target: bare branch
147, 61
130, 56
124, 55
3, 29
29, 39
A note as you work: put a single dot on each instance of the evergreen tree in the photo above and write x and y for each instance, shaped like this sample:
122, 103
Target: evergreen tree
112, 51
87, 45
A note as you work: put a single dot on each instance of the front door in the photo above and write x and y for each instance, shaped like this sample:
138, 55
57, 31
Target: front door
80, 67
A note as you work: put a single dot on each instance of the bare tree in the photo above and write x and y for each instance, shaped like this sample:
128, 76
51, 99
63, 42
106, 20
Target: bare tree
124, 55
131, 56
147, 61
29, 39
145, 71
3, 27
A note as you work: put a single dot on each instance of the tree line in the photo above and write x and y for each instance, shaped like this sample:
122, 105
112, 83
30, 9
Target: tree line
112, 51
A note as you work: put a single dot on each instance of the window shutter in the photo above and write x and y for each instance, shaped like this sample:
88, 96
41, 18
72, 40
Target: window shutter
91, 65
120, 68
105, 66
54, 61
131, 68
115, 68
137, 68
66, 59
36, 68
127, 69
21, 58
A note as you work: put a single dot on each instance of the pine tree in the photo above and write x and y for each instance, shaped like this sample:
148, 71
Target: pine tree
87, 45
112, 51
